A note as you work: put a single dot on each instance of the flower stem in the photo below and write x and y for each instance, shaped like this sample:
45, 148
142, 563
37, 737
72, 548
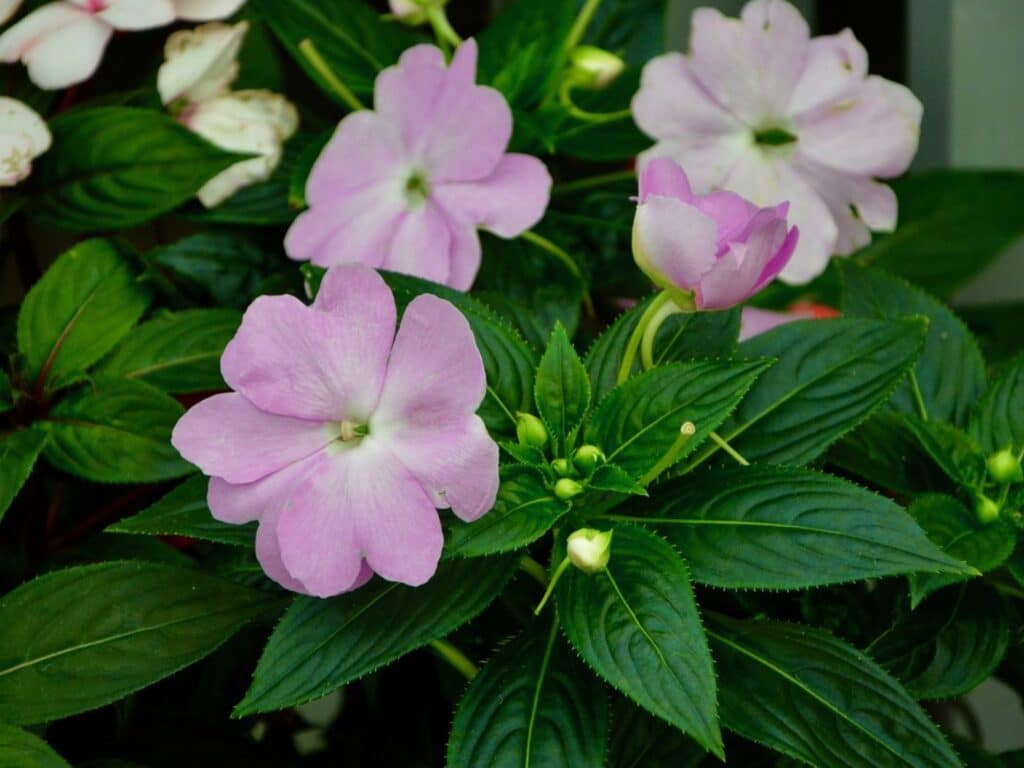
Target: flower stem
578, 185
579, 26
534, 569
915, 387
565, 97
551, 585
722, 443
686, 431
546, 245
446, 34
651, 331
316, 61
456, 658
629, 356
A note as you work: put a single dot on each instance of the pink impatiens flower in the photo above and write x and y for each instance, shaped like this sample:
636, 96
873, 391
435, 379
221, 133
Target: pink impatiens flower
762, 109
755, 321
406, 186
342, 438
717, 247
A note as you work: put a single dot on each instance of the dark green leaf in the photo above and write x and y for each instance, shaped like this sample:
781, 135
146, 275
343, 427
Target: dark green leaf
806, 694
995, 326
998, 420
951, 526
18, 453
524, 511
956, 452
764, 527
638, 422
524, 454
20, 749
320, 645
949, 645
350, 36
640, 739
636, 624
603, 140
534, 703
116, 431
950, 371
830, 376
115, 167
84, 304
183, 512
561, 389
6, 394
79, 638
176, 352
610, 477
952, 225
302, 167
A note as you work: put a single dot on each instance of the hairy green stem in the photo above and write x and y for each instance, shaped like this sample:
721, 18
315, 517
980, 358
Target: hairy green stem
629, 356
534, 569
551, 585
722, 443
456, 658
316, 61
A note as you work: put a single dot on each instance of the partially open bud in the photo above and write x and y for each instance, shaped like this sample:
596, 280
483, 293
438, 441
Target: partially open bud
530, 430
567, 488
413, 12
589, 549
594, 68
986, 509
562, 467
1004, 467
587, 458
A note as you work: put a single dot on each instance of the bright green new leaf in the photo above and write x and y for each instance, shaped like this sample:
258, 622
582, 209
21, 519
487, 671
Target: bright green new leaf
561, 389
998, 419
21, 749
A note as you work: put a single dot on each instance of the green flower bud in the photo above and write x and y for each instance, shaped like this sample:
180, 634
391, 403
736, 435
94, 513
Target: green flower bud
589, 549
587, 458
567, 488
594, 68
562, 467
1004, 467
530, 430
986, 509
413, 12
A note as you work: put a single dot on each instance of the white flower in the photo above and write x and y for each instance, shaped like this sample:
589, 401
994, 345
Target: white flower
62, 43
201, 62
23, 137
255, 122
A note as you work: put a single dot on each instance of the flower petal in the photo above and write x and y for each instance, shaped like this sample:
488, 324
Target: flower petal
746, 267
457, 465
17, 118
835, 69
673, 242
137, 14
750, 65
67, 55
16, 154
874, 134
508, 202
200, 63
205, 10
227, 436
238, 503
465, 253
421, 245
16, 41
7, 9
435, 375
268, 553
293, 360
708, 162
664, 177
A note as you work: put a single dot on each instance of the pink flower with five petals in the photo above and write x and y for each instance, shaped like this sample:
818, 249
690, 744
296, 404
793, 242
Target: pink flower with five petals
342, 438
405, 187
762, 109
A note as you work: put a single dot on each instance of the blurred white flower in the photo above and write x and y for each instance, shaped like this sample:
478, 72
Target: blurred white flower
8, 8
23, 137
201, 62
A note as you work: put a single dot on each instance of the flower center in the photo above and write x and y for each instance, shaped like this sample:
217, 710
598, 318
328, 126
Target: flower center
417, 190
351, 431
773, 137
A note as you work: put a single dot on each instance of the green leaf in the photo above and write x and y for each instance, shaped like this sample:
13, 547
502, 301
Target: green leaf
637, 423
184, 512
20, 749
640, 739
6, 393
534, 703
84, 304
116, 167
950, 371
176, 352
830, 376
354, 41
764, 527
952, 225
610, 477
998, 420
522, 51
321, 645
956, 452
524, 511
808, 695
949, 645
636, 624
603, 140
77, 639
115, 431
19, 450
951, 526
561, 389
303, 166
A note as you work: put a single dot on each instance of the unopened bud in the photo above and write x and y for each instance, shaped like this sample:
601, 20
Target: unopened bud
567, 488
594, 68
562, 467
1004, 467
530, 430
413, 12
587, 458
589, 549
986, 509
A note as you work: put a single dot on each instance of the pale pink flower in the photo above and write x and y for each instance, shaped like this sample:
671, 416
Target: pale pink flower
62, 43
718, 247
405, 187
23, 137
760, 108
342, 438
